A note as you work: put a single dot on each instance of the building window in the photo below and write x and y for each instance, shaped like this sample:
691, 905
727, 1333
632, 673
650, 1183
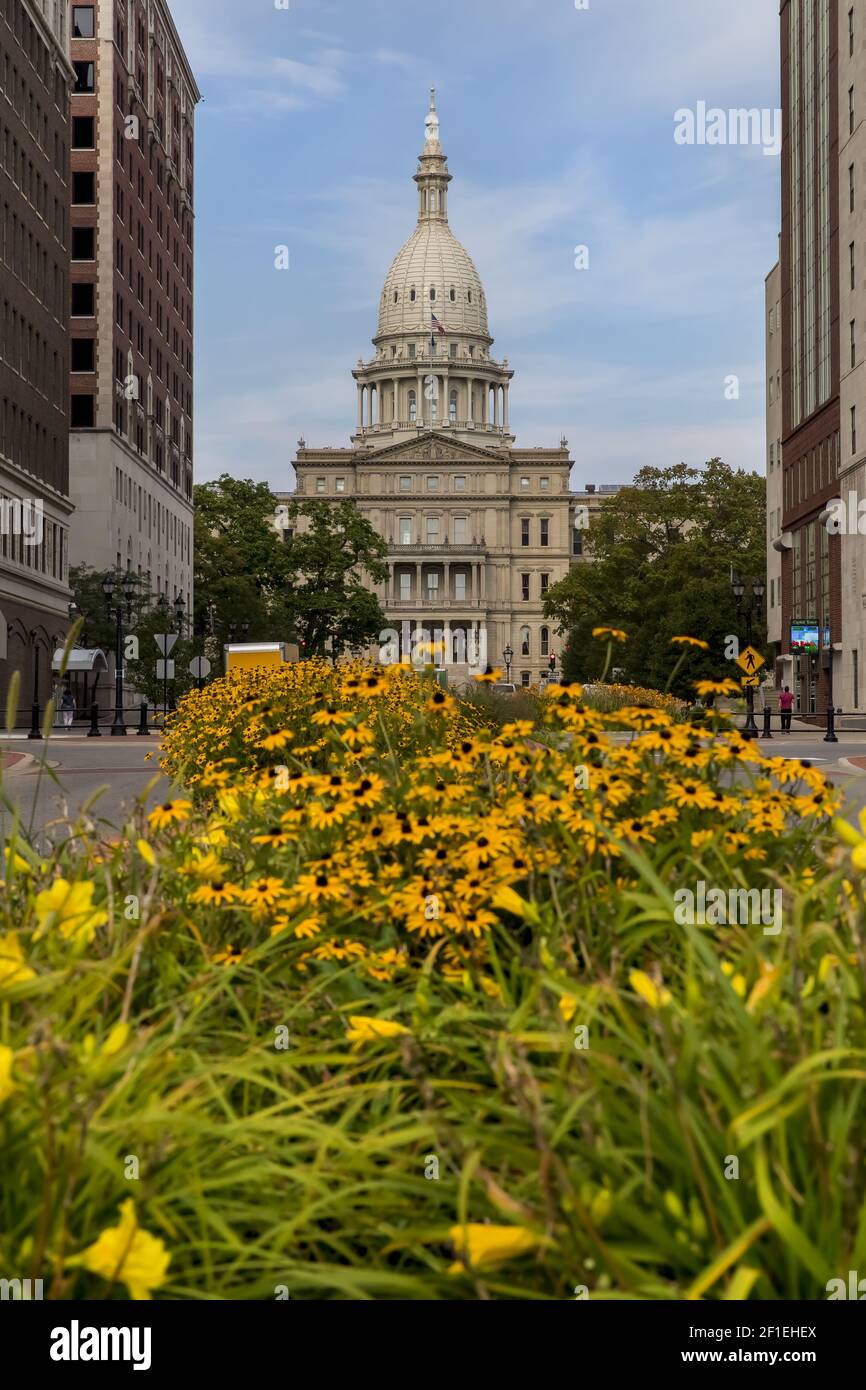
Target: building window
545, 584
432, 483
851, 260
432, 530
524, 484
525, 679
396, 296
83, 133
853, 429
855, 657
432, 293
524, 587
412, 294
81, 413
524, 641
524, 531
83, 243
432, 583
576, 543
83, 187
452, 407
545, 641
84, 77
82, 22
405, 585
413, 409
545, 531
544, 484
453, 294
405, 484
850, 110
452, 350
405, 530
850, 187
460, 584
340, 485
83, 354
460, 524
83, 300
321, 484
851, 33
853, 343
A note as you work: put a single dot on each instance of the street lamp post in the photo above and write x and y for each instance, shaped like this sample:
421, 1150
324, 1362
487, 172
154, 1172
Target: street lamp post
35, 731
118, 595
508, 654
746, 612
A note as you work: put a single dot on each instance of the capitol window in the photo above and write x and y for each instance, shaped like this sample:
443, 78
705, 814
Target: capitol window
469, 296
544, 484
405, 484
405, 530
396, 296
452, 408
433, 483
340, 485
413, 409
412, 294
460, 530
432, 292
524, 641
412, 353
524, 484
460, 483
453, 294
320, 485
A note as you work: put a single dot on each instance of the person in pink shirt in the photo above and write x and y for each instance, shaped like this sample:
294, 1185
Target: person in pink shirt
786, 705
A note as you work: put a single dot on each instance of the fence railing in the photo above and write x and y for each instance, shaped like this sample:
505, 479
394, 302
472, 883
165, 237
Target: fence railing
94, 720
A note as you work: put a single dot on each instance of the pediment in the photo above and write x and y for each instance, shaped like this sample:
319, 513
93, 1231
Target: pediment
434, 448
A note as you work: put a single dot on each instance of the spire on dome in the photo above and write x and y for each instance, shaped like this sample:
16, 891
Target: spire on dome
432, 177
431, 122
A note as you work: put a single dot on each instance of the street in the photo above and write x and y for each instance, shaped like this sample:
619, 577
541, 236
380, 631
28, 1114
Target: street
107, 774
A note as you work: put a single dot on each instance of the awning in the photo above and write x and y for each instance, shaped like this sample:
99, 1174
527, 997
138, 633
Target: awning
81, 659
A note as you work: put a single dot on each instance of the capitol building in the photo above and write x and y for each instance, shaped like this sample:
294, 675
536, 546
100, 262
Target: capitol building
477, 530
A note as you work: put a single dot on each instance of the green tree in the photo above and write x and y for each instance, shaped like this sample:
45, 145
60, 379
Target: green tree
331, 563
240, 561
660, 558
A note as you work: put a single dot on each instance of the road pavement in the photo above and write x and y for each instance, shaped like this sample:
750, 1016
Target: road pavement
59, 777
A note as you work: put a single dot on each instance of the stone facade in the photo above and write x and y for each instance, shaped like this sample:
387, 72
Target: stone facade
35, 78
131, 458
476, 528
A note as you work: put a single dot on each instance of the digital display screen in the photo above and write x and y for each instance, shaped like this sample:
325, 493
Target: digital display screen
804, 637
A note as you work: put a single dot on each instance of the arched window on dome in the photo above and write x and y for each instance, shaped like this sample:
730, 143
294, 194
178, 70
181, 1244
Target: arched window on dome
433, 200
452, 407
432, 291
453, 294
412, 294
396, 296
469, 296
413, 407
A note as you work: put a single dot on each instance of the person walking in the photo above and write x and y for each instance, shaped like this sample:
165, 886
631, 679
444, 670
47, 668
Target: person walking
786, 705
67, 707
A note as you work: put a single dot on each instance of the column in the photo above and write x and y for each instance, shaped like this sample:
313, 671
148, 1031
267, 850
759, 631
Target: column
447, 580
496, 406
449, 645
445, 413
482, 580
422, 415
468, 415
418, 594
405, 639
507, 384
360, 407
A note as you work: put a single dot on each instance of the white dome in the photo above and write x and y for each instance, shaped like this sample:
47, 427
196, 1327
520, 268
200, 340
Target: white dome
433, 274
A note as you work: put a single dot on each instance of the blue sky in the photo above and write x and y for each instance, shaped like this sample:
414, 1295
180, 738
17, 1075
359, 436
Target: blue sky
558, 124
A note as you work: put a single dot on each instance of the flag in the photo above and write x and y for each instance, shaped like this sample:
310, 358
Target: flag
436, 326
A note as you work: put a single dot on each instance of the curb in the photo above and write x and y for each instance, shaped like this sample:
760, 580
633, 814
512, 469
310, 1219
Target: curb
847, 765
23, 763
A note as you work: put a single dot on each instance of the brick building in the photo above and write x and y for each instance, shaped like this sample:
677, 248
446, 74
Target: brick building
35, 78
131, 456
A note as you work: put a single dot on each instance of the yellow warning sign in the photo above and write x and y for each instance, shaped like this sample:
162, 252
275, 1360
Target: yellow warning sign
750, 661
750, 682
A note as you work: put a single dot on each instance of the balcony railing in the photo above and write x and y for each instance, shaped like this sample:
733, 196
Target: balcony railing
471, 606
437, 548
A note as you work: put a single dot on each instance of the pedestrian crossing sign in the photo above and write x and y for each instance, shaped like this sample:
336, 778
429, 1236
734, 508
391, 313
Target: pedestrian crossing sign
750, 682
750, 661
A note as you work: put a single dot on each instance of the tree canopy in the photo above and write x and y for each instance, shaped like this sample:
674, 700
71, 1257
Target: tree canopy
660, 558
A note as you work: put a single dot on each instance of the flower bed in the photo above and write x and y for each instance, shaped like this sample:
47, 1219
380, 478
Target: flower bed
390, 1005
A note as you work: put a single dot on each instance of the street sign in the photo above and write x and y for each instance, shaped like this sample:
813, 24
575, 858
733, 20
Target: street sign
165, 670
165, 641
750, 682
750, 661
199, 667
